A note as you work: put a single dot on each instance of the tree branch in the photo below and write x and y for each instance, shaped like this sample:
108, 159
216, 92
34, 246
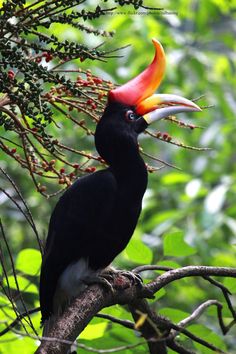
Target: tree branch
81, 311
189, 271
155, 329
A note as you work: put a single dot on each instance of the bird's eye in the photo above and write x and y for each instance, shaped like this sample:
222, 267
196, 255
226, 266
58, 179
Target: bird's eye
130, 115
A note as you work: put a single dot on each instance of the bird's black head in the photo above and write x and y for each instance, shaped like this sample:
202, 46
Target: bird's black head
117, 131
133, 106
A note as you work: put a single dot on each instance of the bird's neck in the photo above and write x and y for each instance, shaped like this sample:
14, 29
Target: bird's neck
130, 172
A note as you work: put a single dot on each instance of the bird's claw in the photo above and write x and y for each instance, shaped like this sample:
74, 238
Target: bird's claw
112, 279
135, 278
120, 277
101, 279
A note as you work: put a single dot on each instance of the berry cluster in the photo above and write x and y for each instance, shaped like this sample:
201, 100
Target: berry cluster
40, 92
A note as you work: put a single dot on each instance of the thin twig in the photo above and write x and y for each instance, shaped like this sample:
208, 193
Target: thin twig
226, 294
80, 345
18, 319
15, 278
150, 267
198, 312
178, 348
125, 323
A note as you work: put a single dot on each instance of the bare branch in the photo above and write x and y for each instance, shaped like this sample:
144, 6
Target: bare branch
18, 319
152, 329
125, 323
27, 213
81, 311
189, 271
178, 348
226, 294
73, 321
198, 312
80, 345
150, 267
16, 281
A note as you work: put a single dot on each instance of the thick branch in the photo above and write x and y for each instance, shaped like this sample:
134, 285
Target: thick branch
95, 298
82, 310
152, 329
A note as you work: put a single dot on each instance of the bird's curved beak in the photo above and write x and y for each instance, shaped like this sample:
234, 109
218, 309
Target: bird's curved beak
159, 106
139, 92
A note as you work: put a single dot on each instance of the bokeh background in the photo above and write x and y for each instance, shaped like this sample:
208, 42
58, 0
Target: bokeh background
189, 215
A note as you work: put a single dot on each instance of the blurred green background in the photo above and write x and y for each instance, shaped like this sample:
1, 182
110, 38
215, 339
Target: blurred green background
189, 216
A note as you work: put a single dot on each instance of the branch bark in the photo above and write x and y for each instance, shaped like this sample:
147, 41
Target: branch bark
152, 329
93, 299
81, 311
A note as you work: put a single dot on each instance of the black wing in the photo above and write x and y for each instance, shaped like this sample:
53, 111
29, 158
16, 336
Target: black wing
75, 224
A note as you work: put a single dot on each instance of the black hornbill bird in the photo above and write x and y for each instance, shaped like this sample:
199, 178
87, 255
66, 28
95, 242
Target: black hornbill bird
95, 218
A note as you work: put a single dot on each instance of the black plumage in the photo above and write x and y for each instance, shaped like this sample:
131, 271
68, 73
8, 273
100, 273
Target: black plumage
95, 218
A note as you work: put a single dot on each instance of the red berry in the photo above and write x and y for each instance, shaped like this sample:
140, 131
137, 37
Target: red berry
97, 80
47, 56
90, 169
76, 165
62, 170
13, 151
165, 136
11, 74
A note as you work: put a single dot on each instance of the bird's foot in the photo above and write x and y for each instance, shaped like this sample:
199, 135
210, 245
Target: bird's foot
122, 279
135, 278
102, 279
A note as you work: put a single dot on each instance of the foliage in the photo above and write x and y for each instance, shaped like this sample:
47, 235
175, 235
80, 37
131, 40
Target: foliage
37, 83
189, 215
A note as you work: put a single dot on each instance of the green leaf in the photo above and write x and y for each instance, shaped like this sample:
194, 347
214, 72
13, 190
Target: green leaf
230, 284
176, 177
169, 263
28, 261
160, 293
138, 252
6, 312
93, 331
23, 284
208, 335
174, 245
14, 343
174, 315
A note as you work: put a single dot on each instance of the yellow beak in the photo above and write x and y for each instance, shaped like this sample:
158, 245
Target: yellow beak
152, 107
